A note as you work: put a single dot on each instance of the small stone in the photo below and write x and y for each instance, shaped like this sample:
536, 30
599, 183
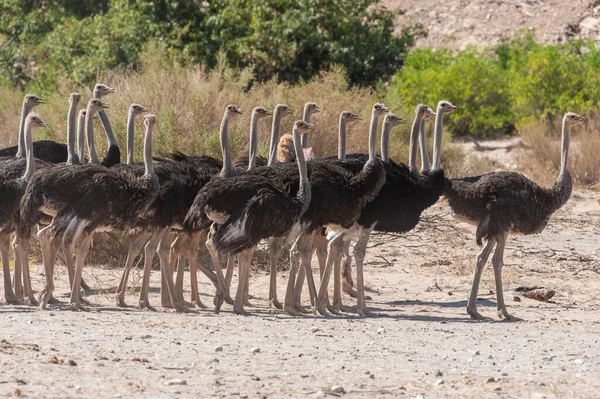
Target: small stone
319, 394
219, 349
53, 360
476, 353
77, 388
439, 374
380, 330
255, 350
438, 382
176, 381
578, 361
338, 389
516, 298
492, 379
29, 321
128, 338
314, 329
71, 362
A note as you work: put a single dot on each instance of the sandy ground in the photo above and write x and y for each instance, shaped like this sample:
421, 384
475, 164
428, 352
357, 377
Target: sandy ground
420, 342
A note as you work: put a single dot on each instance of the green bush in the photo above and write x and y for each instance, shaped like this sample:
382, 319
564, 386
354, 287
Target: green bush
499, 89
46, 40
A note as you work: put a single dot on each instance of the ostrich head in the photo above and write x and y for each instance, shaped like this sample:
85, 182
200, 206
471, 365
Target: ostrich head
149, 120
35, 121
260, 112
31, 101
421, 111
379, 109
393, 120
430, 113
74, 98
96, 104
136, 109
303, 127
283, 110
445, 107
232, 111
101, 90
311, 108
348, 116
82, 113
573, 119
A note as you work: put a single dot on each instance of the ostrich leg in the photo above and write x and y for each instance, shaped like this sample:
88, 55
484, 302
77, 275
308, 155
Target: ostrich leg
335, 249
135, 246
17, 282
244, 261
190, 248
228, 276
348, 284
276, 246
288, 303
21, 251
497, 263
222, 287
360, 250
48, 255
164, 249
82, 251
9, 295
480, 262
149, 252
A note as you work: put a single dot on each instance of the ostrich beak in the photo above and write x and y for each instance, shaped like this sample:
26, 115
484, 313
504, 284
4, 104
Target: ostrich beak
269, 111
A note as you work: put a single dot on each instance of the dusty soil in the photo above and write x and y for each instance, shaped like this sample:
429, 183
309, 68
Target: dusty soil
420, 342
457, 24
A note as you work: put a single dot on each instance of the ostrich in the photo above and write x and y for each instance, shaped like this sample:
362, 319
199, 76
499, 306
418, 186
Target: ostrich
134, 110
398, 206
425, 164
11, 191
113, 153
103, 200
48, 192
180, 180
244, 210
503, 203
81, 135
29, 103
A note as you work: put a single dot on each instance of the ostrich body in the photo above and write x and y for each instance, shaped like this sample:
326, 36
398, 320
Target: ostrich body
245, 209
397, 207
504, 203
11, 191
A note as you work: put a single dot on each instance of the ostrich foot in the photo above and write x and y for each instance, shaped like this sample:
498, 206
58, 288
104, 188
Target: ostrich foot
182, 309
333, 310
76, 307
364, 311
218, 301
53, 301
275, 303
84, 301
11, 299
229, 299
144, 304
348, 289
503, 314
198, 303
166, 303
31, 301
120, 302
240, 310
338, 305
291, 310
475, 315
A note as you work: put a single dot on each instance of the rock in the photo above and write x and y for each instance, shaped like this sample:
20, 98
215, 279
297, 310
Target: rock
314, 329
492, 379
337, 389
380, 330
476, 353
71, 362
255, 350
438, 382
219, 349
176, 381
439, 374
578, 362
516, 299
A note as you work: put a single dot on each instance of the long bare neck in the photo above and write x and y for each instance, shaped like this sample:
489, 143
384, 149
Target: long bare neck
130, 137
425, 166
274, 138
304, 192
437, 141
342, 139
385, 141
566, 133
81, 139
89, 133
228, 168
373, 135
253, 146
21, 140
414, 137
148, 168
72, 157
305, 118
110, 136
30, 169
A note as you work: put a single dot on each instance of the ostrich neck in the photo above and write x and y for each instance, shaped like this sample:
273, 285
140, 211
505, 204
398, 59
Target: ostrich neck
228, 168
81, 139
148, 168
414, 138
564, 149
30, 169
385, 142
89, 132
373, 135
110, 136
71, 155
21, 139
305, 118
253, 142
304, 193
437, 141
342, 139
425, 166
130, 137
274, 138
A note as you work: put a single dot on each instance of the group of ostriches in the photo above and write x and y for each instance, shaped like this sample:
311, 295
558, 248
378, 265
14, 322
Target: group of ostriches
318, 205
